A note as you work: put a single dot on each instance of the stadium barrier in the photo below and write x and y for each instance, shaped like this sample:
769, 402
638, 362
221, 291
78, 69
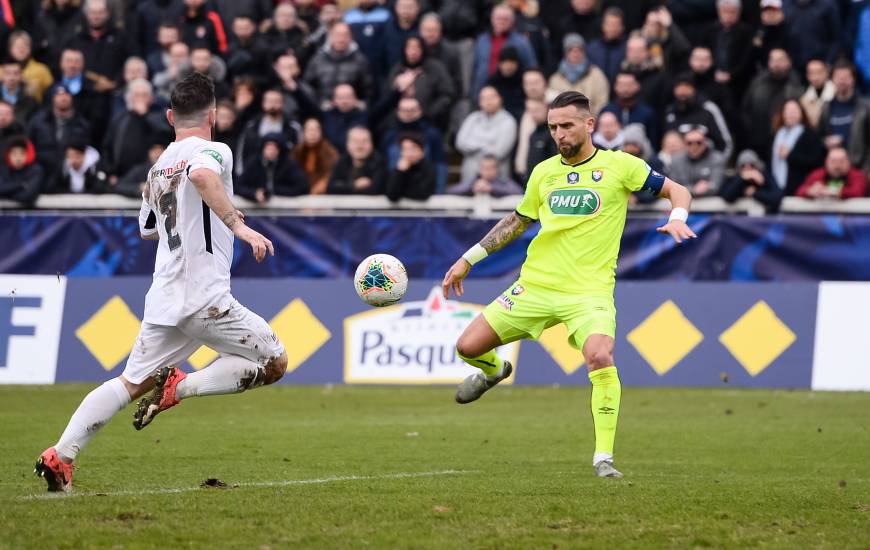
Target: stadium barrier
780, 335
730, 248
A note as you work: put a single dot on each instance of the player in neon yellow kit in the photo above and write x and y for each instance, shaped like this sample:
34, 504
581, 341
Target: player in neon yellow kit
580, 197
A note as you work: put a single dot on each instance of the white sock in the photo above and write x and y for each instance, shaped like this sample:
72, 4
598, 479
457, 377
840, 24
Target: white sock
94, 412
228, 374
598, 457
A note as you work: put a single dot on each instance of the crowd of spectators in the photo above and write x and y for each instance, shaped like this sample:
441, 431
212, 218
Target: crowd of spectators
752, 98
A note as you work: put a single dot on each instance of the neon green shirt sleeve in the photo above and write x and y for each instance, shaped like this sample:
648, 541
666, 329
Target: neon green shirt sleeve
635, 172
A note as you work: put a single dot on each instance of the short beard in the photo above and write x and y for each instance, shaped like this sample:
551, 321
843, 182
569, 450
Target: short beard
570, 152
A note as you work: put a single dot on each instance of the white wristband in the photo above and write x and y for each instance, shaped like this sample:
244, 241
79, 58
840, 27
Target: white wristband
475, 254
679, 214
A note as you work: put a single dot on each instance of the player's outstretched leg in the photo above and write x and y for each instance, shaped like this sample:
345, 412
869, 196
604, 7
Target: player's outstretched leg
606, 392
55, 464
228, 374
476, 346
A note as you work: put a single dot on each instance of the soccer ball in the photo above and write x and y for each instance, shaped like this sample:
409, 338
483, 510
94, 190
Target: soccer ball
381, 280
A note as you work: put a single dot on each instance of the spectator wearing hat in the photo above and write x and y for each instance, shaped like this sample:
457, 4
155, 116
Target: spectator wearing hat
488, 131
577, 73
21, 178
81, 172
608, 51
699, 167
489, 45
771, 34
797, 148
53, 126
14, 92
845, 120
414, 175
689, 110
508, 81
820, 90
122, 146
316, 156
272, 172
752, 180
361, 170
837, 179
629, 107
132, 184
487, 182
765, 96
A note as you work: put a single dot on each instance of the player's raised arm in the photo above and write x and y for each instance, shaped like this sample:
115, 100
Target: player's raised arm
211, 189
505, 231
681, 199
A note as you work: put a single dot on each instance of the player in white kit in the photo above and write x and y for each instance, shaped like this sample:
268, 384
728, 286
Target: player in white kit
186, 205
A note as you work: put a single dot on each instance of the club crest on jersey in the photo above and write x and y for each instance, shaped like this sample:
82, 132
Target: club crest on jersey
517, 290
597, 175
578, 201
573, 177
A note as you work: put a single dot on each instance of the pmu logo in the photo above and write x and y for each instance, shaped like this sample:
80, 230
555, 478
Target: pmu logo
8, 329
577, 201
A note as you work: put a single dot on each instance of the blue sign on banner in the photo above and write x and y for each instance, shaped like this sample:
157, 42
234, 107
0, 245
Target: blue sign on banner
701, 334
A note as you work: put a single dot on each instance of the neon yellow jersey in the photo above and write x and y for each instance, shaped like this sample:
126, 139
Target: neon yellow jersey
582, 210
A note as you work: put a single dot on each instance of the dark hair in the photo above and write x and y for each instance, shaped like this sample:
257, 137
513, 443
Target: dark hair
614, 11
191, 96
578, 100
414, 137
844, 63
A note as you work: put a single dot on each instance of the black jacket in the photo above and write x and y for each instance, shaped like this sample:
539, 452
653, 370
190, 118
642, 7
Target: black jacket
345, 173
768, 194
123, 144
417, 182
807, 154
48, 136
21, 185
541, 147
283, 177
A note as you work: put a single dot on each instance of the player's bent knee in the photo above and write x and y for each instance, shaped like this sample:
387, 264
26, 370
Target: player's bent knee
275, 369
465, 347
599, 359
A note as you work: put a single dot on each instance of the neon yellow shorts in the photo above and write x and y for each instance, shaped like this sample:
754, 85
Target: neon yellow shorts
524, 311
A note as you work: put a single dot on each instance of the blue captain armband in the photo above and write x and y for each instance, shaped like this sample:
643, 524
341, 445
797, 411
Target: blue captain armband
654, 183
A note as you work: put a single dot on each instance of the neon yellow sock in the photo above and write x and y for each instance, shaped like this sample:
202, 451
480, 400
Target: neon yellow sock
489, 362
606, 391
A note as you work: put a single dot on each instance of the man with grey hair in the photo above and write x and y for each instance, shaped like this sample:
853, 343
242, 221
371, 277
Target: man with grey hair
489, 44
124, 143
432, 33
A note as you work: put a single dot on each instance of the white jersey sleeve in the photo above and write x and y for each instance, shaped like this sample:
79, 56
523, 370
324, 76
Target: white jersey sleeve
147, 219
217, 157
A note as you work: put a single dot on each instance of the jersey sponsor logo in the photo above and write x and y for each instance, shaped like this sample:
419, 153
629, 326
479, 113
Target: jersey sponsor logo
573, 177
574, 202
169, 170
213, 154
517, 290
505, 302
410, 342
597, 175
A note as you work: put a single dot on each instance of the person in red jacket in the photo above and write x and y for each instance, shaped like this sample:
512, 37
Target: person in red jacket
837, 179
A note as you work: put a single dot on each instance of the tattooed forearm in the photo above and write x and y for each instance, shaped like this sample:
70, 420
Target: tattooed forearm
505, 231
230, 219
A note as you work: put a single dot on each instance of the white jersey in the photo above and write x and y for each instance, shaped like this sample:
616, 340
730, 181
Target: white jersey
195, 252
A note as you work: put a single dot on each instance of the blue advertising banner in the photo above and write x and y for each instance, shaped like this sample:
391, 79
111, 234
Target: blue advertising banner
674, 334
730, 248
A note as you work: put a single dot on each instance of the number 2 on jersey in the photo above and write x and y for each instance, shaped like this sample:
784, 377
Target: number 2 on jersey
168, 207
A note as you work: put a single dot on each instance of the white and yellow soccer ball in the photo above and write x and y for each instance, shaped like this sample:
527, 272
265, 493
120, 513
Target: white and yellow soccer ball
381, 280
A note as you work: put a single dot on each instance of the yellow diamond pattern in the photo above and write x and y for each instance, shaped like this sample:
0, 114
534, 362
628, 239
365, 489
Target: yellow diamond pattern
110, 332
665, 337
301, 332
202, 357
757, 338
555, 341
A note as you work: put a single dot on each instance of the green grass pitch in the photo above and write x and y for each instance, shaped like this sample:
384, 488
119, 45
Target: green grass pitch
339, 467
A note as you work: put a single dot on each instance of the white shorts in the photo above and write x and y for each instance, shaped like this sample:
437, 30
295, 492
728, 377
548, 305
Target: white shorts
233, 331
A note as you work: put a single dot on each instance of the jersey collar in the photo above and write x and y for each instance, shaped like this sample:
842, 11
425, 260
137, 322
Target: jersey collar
592, 156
